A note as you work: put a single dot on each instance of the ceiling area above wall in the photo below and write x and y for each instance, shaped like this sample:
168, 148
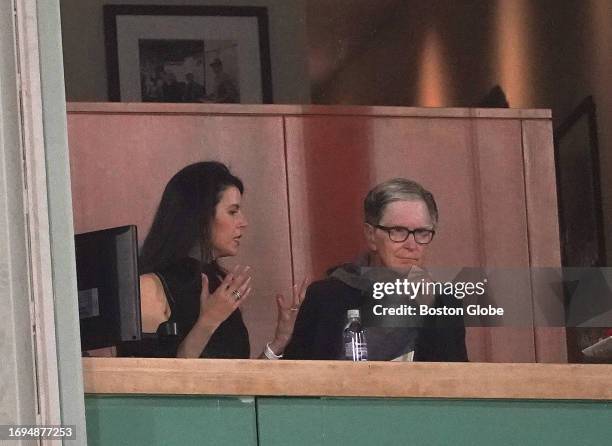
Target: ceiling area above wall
339, 29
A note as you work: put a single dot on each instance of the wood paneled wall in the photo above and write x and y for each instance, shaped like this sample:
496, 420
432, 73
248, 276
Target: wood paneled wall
306, 171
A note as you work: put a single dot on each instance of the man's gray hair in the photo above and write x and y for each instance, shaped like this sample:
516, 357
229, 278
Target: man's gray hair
397, 189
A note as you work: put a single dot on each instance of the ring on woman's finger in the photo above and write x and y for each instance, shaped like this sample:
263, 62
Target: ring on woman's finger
294, 308
236, 294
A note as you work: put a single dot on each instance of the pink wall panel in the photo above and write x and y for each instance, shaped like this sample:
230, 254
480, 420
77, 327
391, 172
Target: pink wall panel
329, 164
500, 192
120, 164
544, 244
334, 162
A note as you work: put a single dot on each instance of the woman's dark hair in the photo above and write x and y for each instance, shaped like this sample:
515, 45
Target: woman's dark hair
183, 218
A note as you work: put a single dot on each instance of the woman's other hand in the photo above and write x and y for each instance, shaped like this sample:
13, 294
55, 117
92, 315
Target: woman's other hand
288, 309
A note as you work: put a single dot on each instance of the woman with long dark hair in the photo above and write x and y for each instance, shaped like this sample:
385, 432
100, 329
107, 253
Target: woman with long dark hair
200, 220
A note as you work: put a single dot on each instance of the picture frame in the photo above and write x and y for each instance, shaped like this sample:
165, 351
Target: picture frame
579, 201
579, 188
218, 54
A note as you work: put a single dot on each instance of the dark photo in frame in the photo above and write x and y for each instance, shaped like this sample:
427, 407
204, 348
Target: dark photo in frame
578, 187
580, 210
209, 54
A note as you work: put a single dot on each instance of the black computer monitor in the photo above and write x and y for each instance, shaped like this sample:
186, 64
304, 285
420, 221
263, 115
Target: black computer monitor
108, 284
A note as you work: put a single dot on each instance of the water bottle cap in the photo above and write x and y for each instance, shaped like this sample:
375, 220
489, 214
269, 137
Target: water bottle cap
353, 313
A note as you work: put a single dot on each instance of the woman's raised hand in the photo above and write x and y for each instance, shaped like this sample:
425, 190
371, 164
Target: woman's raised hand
288, 308
214, 309
234, 289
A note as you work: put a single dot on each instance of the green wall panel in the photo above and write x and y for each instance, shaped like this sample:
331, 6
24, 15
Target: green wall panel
171, 420
181, 420
335, 421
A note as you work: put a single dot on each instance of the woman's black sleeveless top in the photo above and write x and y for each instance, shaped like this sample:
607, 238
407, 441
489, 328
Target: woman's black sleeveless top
182, 282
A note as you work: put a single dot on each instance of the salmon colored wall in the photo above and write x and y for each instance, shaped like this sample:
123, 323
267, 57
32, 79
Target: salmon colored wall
306, 174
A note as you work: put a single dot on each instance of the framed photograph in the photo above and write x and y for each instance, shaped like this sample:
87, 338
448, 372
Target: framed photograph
580, 209
579, 188
215, 54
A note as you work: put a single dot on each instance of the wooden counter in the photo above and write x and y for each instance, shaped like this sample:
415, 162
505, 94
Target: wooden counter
302, 110
345, 379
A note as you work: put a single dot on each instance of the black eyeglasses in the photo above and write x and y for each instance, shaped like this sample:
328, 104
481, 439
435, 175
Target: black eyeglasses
400, 234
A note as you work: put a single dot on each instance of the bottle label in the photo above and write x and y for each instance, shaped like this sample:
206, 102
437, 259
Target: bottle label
356, 351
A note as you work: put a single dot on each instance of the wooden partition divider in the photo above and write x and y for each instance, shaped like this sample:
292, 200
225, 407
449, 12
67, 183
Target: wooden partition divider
306, 170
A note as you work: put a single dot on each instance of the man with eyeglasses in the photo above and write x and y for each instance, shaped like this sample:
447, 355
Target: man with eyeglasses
400, 217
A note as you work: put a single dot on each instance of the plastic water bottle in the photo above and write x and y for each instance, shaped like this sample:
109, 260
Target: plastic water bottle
355, 343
